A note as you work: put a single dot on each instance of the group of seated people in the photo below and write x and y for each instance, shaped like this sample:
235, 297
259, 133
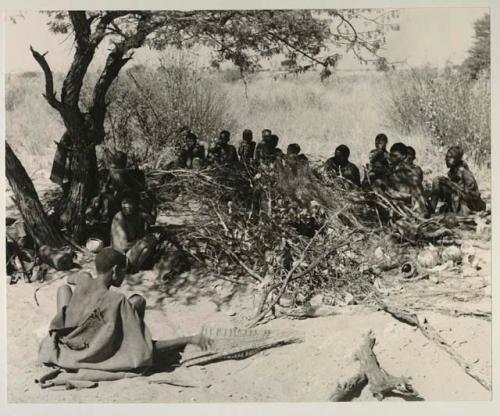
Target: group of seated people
393, 172
221, 153
126, 214
396, 174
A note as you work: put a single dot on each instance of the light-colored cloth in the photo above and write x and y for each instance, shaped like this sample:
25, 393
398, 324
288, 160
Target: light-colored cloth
100, 330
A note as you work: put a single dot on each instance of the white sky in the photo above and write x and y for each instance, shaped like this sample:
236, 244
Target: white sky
426, 35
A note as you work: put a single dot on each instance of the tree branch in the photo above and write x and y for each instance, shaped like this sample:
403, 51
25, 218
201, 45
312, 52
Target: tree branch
49, 81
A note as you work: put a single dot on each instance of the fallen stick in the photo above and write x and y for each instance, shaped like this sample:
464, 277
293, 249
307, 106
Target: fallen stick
431, 334
380, 382
349, 389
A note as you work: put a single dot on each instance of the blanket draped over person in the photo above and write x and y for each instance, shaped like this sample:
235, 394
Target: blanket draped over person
100, 330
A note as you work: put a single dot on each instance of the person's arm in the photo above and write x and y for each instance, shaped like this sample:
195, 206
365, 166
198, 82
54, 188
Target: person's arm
119, 236
200, 340
469, 184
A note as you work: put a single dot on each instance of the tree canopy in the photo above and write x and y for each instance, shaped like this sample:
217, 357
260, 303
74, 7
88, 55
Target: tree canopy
478, 60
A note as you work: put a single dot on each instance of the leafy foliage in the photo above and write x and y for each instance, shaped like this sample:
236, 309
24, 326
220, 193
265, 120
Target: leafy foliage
306, 38
479, 60
444, 104
148, 107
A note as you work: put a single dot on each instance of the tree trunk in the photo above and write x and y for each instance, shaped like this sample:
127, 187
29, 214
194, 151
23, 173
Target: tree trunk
83, 186
26, 199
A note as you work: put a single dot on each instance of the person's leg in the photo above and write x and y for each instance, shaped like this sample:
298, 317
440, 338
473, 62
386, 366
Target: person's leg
138, 253
139, 304
439, 192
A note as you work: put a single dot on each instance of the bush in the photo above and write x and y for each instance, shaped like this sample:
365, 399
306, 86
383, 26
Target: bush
148, 107
443, 104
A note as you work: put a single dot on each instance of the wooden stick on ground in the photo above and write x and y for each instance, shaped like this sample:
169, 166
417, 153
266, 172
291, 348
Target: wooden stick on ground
380, 382
431, 334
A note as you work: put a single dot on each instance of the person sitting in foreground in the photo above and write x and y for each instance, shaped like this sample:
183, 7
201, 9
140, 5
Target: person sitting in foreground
379, 166
223, 153
339, 165
403, 184
129, 233
458, 191
246, 150
100, 329
293, 153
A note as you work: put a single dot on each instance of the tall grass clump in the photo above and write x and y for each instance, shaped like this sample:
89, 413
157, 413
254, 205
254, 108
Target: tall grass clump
149, 106
317, 115
443, 104
31, 125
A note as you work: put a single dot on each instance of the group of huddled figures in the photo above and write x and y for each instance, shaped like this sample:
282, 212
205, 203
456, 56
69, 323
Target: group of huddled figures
123, 213
393, 172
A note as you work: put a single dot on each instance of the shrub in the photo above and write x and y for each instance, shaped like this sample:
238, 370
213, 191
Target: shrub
148, 107
444, 104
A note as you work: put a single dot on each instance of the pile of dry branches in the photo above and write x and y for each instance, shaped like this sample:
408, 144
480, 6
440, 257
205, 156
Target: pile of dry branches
289, 228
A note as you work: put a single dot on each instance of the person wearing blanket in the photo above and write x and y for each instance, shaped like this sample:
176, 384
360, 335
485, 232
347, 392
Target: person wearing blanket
100, 329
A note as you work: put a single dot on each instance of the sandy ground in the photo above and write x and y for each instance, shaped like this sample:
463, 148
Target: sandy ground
307, 371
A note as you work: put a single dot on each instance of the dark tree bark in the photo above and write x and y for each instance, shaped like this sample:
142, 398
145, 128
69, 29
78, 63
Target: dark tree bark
26, 199
87, 129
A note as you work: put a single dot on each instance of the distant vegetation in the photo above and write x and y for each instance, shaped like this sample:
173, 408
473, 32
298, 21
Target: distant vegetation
427, 108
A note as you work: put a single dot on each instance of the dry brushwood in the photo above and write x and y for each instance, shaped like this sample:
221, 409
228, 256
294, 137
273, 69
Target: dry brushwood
380, 382
278, 228
431, 334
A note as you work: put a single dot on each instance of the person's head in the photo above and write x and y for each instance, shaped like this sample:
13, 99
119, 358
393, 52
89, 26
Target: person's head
191, 140
381, 141
342, 153
293, 149
273, 140
399, 151
119, 160
129, 205
454, 156
111, 265
224, 137
411, 154
247, 135
266, 133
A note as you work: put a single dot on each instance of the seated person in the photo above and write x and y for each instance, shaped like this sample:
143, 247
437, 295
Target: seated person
97, 328
246, 150
259, 150
223, 153
293, 153
403, 184
270, 151
193, 153
459, 191
129, 233
410, 160
339, 165
379, 166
